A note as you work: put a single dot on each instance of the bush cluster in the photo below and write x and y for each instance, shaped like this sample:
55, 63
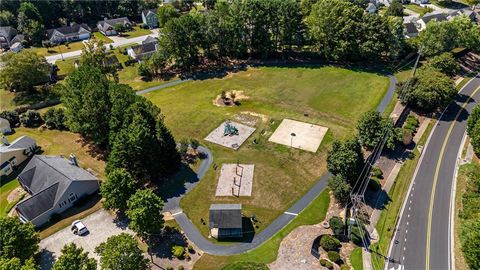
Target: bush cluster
326, 263
329, 243
12, 117
336, 224
178, 252
31, 118
333, 256
55, 119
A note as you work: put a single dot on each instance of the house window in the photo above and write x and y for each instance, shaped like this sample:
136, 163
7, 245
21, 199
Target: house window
71, 197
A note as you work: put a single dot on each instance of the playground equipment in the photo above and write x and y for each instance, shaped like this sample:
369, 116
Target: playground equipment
230, 129
237, 179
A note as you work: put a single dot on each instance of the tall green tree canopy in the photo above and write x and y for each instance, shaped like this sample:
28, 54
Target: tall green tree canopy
74, 257
165, 13
340, 189
15, 264
23, 71
30, 22
18, 240
444, 63
145, 213
121, 252
117, 189
395, 9
372, 127
346, 159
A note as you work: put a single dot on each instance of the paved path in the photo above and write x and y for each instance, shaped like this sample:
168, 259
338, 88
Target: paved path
172, 205
422, 238
124, 41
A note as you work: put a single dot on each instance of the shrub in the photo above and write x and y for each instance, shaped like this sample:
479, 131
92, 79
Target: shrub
407, 137
31, 119
374, 184
326, 263
178, 252
12, 117
410, 127
333, 256
329, 242
181, 267
55, 118
377, 172
336, 224
170, 268
194, 143
190, 249
344, 267
357, 234
412, 120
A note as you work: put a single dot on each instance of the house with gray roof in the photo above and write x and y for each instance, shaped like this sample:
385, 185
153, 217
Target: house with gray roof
9, 36
69, 33
55, 184
107, 28
433, 16
15, 153
149, 18
144, 50
225, 221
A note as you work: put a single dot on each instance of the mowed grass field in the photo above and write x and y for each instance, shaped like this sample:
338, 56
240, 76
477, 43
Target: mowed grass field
327, 96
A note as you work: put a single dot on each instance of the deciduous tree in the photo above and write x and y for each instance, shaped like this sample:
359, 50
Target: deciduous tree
121, 252
23, 71
346, 159
74, 257
145, 213
19, 240
117, 189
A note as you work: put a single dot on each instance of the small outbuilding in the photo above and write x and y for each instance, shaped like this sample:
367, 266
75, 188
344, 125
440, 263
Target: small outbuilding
5, 126
225, 221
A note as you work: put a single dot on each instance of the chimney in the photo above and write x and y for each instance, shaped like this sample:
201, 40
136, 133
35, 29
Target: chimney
73, 160
5, 141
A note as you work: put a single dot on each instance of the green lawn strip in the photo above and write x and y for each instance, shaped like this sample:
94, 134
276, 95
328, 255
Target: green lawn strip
418, 9
74, 46
65, 67
136, 32
356, 259
5, 189
6, 100
267, 252
102, 37
386, 224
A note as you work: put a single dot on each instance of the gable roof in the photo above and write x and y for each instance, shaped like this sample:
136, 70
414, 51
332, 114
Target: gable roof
111, 22
8, 32
144, 48
410, 28
22, 142
47, 178
225, 216
69, 30
147, 11
149, 39
434, 16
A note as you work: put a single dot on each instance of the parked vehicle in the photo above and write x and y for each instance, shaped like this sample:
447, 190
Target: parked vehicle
78, 228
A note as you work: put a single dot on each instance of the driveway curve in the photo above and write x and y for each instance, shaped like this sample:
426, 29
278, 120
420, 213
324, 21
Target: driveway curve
172, 205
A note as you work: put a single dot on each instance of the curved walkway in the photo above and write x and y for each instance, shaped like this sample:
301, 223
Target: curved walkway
172, 205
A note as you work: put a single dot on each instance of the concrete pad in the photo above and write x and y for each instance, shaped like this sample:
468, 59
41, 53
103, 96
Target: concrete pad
307, 136
234, 141
239, 178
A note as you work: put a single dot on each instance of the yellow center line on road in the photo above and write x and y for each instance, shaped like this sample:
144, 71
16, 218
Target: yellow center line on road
435, 179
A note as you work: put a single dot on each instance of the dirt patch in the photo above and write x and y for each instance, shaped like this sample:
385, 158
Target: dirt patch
235, 180
15, 194
229, 98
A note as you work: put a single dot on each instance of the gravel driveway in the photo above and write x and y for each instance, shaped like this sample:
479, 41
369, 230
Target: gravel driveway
101, 226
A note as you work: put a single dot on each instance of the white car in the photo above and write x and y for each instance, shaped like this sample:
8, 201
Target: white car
78, 228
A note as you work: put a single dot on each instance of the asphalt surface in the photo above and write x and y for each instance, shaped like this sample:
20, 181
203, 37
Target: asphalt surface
172, 205
433, 179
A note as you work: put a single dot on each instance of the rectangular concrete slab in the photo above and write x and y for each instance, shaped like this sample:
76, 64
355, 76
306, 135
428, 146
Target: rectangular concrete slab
234, 141
235, 180
298, 134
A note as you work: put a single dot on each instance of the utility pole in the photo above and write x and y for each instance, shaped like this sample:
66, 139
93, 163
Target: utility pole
416, 62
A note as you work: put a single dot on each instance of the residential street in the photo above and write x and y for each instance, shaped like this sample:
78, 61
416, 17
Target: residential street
117, 43
423, 237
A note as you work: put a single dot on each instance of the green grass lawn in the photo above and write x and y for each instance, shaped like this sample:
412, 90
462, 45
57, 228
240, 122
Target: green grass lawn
267, 252
65, 67
74, 46
10, 100
102, 37
356, 259
418, 9
136, 32
5, 189
330, 96
6, 100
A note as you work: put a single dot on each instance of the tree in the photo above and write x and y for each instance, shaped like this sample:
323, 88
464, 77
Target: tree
74, 257
145, 213
336, 224
329, 243
6, 17
372, 127
18, 239
31, 118
87, 104
121, 252
473, 120
428, 91
94, 54
15, 264
30, 22
165, 13
340, 189
346, 159
55, 118
444, 63
23, 71
395, 9
119, 28
117, 189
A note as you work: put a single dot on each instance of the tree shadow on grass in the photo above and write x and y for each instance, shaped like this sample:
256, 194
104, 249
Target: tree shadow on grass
176, 185
47, 259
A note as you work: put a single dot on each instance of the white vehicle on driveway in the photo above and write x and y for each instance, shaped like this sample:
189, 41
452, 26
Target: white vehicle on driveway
78, 228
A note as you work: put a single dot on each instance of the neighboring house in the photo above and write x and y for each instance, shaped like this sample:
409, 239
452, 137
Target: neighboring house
5, 126
434, 16
225, 221
110, 60
9, 36
55, 184
371, 8
410, 30
69, 33
149, 17
419, 2
13, 154
106, 27
144, 50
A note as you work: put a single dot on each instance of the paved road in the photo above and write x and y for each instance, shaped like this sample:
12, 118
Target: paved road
422, 239
172, 205
124, 41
